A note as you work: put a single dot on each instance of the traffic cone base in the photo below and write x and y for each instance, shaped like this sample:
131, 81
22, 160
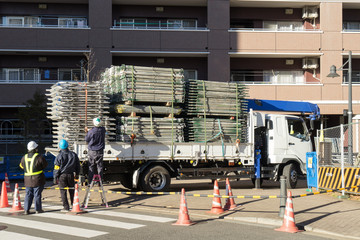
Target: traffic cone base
4, 198
216, 203
289, 219
230, 202
184, 219
16, 207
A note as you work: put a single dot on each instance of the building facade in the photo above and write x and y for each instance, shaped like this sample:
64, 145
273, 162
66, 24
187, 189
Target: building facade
281, 50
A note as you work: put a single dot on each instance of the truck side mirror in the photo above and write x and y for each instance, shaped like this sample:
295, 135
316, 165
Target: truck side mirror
269, 124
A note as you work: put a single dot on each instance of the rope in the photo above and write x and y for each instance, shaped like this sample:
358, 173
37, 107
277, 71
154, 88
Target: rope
172, 115
237, 114
205, 117
132, 98
221, 137
86, 103
151, 121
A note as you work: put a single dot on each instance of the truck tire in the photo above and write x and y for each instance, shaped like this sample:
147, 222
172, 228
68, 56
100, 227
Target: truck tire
291, 175
155, 179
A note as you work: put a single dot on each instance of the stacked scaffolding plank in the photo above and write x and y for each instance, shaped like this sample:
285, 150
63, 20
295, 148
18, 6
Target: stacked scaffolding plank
219, 109
147, 101
150, 104
72, 106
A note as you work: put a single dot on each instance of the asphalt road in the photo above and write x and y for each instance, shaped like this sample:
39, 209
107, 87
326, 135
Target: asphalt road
105, 224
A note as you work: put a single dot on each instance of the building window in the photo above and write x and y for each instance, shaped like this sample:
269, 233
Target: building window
181, 23
141, 23
283, 26
190, 74
72, 22
69, 75
351, 26
19, 75
284, 77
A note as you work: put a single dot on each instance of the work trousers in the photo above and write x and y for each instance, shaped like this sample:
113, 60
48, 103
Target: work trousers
95, 164
66, 180
31, 193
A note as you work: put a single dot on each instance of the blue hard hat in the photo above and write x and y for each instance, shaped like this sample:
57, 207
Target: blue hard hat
63, 144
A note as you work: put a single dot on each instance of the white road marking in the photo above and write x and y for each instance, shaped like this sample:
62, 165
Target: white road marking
90, 220
5, 235
133, 216
49, 227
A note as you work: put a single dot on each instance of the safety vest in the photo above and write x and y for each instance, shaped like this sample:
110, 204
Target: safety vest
29, 163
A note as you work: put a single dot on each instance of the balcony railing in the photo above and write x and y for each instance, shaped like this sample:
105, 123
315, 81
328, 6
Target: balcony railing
39, 76
156, 25
271, 77
43, 22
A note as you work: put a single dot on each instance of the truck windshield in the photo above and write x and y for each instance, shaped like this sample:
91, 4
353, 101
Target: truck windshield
297, 128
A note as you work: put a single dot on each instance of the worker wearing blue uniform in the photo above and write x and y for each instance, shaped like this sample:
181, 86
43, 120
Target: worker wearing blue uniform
96, 144
66, 168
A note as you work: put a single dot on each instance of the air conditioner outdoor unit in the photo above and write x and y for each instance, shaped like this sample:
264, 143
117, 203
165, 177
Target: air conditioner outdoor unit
310, 12
310, 63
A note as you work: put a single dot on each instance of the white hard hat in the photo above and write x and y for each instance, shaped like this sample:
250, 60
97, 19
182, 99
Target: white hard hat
31, 146
96, 122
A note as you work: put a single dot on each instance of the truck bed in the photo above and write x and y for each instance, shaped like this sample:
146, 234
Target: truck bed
144, 151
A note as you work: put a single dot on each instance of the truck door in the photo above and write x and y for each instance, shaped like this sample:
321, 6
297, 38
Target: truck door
277, 139
299, 138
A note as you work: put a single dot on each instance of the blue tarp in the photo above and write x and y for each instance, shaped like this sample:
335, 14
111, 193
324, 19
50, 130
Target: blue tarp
285, 106
10, 165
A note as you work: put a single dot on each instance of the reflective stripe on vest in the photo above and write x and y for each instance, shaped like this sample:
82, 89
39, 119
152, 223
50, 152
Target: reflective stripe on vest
29, 169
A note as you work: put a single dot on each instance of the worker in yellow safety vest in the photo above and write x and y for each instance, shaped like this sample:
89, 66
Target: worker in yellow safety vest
34, 178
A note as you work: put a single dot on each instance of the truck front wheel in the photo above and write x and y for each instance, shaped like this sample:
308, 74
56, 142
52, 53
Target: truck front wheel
155, 179
291, 175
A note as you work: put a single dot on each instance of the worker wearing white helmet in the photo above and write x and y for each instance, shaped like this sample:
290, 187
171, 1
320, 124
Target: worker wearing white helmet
34, 179
96, 144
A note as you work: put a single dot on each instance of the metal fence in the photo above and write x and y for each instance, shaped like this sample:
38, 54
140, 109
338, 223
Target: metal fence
332, 146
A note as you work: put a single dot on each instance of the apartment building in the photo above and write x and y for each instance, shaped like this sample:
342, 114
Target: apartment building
280, 49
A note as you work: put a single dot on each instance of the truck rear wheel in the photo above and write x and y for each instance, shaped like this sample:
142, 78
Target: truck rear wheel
155, 179
291, 175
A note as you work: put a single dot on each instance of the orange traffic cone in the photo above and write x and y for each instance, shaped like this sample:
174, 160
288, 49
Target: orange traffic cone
16, 202
289, 219
230, 202
216, 203
8, 188
184, 219
76, 205
4, 198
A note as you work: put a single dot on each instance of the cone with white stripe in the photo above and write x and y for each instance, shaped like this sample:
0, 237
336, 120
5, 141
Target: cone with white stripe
4, 197
76, 204
184, 219
16, 207
8, 188
230, 202
216, 203
289, 219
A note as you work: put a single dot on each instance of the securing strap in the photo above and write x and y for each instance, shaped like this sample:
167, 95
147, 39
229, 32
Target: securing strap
204, 92
29, 163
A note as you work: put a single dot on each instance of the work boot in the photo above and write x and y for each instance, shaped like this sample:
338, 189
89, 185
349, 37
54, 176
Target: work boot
26, 212
65, 210
39, 211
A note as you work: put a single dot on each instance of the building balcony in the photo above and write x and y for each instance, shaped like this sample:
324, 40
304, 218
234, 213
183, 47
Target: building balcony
44, 38
160, 40
267, 40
